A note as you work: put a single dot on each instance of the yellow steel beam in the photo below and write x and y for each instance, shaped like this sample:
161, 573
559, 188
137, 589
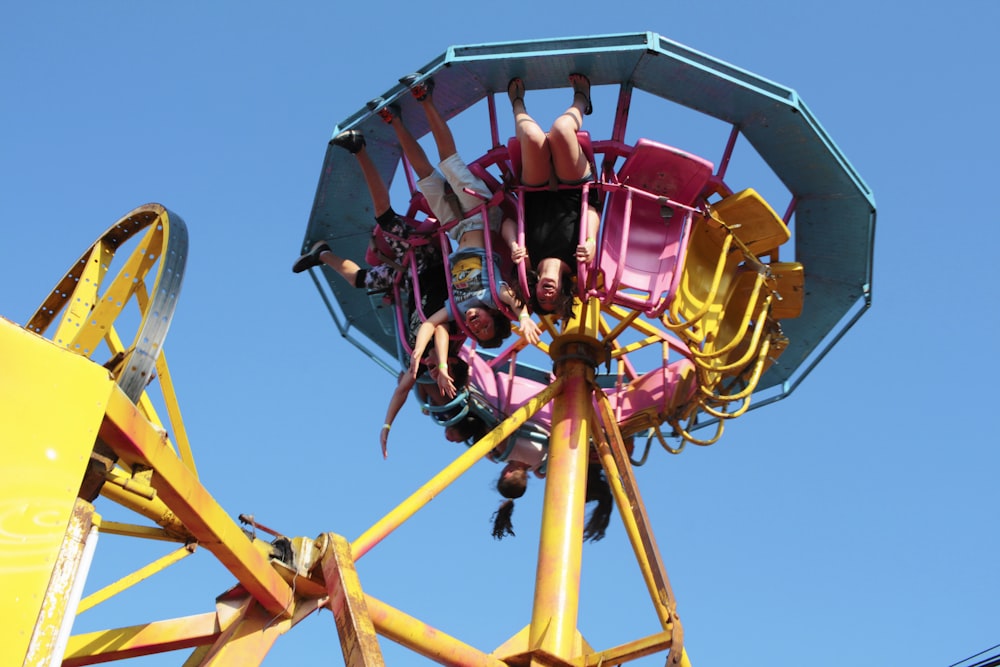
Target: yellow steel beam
133, 530
249, 631
625, 489
358, 641
456, 468
132, 579
135, 440
143, 639
59, 604
557, 584
152, 508
633, 650
238, 632
425, 639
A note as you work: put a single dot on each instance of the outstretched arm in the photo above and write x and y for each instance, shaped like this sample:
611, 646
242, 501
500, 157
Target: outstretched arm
403, 388
424, 335
441, 342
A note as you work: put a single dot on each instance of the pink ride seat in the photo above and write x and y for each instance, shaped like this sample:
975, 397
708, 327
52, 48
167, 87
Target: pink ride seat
653, 396
502, 394
647, 223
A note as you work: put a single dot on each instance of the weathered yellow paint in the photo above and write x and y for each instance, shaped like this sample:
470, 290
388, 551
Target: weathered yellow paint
426, 640
142, 639
52, 403
135, 440
557, 583
67, 580
358, 641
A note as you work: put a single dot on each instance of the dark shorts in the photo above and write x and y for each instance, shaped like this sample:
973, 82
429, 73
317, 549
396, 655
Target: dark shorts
552, 223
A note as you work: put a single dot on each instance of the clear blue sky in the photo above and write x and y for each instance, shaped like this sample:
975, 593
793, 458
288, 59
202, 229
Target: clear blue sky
853, 522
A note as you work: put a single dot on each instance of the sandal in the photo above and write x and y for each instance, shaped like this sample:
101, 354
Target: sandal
420, 90
387, 113
518, 94
574, 80
311, 258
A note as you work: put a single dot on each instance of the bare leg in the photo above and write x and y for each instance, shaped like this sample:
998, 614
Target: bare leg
345, 267
443, 138
412, 149
536, 167
568, 159
376, 186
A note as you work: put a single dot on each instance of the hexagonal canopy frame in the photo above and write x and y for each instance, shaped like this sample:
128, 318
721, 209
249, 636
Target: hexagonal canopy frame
834, 210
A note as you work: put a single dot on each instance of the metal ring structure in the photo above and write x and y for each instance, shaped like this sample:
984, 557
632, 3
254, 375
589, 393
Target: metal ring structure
84, 315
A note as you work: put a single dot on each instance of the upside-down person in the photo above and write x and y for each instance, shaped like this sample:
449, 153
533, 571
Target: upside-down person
473, 294
552, 222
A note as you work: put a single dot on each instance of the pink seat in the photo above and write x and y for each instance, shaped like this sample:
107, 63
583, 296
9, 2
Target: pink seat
512, 395
503, 395
653, 396
647, 223
480, 374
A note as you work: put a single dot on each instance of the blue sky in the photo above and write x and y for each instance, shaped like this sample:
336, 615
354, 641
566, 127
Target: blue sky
851, 522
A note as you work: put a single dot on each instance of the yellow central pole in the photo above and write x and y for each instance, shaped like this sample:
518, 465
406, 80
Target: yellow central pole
553, 627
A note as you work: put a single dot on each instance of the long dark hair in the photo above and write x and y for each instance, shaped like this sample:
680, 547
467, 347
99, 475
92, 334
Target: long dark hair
600, 516
597, 490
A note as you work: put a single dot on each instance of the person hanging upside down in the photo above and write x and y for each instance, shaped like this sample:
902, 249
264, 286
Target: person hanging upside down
430, 275
470, 276
555, 158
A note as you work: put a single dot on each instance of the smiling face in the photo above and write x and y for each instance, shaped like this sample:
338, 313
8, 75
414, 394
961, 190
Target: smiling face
480, 323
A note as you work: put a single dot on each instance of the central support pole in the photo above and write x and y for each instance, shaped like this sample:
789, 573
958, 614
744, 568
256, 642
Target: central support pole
553, 628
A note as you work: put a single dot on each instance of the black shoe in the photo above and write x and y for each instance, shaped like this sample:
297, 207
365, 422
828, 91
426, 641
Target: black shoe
311, 258
419, 90
387, 113
350, 140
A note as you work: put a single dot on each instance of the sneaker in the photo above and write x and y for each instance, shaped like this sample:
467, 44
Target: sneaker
311, 258
350, 140
420, 90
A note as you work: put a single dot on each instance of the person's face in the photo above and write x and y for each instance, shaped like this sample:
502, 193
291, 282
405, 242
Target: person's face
512, 468
480, 323
432, 364
547, 291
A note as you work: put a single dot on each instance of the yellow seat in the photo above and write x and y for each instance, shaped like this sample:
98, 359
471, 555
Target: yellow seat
740, 228
707, 271
734, 374
753, 221
787, 281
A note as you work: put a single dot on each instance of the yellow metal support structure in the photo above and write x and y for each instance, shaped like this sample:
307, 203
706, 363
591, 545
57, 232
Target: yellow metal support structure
557, 584
135, 440
625, 488
110, 440
358, 641
45, 456
132, 579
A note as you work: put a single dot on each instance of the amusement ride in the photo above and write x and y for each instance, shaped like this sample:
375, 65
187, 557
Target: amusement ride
703, 300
